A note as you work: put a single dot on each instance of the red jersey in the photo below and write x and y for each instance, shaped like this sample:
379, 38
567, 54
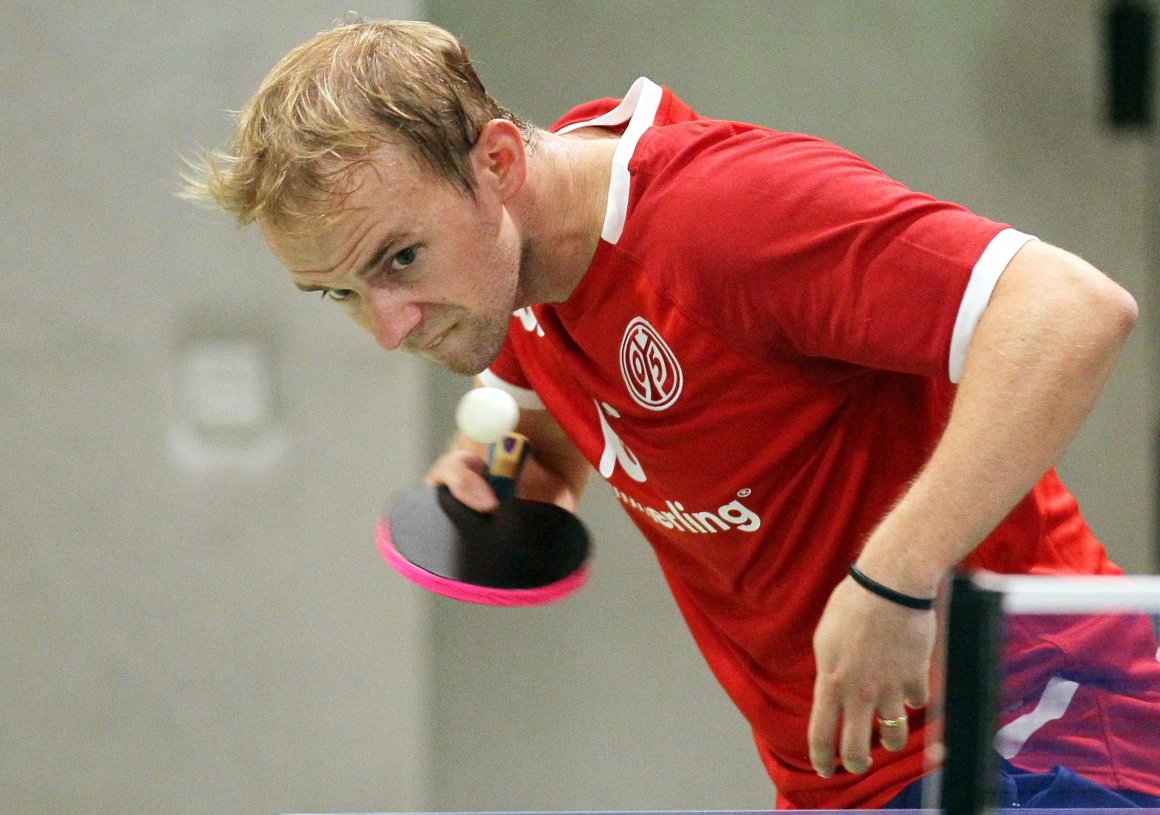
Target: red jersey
758, 360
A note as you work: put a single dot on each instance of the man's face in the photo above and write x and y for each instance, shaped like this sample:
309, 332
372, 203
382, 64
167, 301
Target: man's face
418, 263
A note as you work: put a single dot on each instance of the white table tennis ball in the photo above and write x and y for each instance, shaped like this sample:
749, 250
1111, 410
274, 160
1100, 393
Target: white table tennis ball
485, 415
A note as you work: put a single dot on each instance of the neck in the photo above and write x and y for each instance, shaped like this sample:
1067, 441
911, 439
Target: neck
561, 210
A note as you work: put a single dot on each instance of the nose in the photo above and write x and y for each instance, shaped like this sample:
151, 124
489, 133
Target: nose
391, 319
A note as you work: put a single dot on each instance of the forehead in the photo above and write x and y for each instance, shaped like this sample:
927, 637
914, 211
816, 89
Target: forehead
384, 191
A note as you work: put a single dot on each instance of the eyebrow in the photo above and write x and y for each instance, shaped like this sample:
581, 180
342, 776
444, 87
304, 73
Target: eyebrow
369, 266
378, 256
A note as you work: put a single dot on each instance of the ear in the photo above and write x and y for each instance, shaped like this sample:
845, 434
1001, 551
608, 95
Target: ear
498, 158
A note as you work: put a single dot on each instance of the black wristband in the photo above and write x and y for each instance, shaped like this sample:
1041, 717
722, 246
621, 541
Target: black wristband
887, 593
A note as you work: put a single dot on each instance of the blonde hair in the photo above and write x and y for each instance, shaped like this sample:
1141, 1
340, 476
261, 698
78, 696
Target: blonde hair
334, 99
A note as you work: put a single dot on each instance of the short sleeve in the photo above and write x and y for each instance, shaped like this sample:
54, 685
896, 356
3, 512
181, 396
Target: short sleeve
801, 247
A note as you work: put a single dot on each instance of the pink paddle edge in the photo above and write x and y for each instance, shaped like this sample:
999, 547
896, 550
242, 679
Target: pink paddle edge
468, 592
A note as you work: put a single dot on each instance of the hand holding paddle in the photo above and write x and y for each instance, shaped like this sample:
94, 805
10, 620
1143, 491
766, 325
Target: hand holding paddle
523, 553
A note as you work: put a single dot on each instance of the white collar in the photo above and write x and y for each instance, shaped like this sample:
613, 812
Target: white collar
639, 109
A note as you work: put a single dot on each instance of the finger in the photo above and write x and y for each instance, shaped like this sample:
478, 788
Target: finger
936, 753
916, 694
823, 725
855, 744
474, 491
463, 475
893, 727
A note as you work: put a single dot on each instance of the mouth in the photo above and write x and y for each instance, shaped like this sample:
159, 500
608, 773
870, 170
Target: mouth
437, 340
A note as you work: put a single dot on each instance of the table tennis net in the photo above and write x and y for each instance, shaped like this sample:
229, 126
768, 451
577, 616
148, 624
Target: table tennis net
1049, 696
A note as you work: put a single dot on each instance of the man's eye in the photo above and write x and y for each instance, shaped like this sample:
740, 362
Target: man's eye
404, 259
337, 294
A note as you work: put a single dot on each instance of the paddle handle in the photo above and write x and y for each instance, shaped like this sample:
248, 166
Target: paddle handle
505, 459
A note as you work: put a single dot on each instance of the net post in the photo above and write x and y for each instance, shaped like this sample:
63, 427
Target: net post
971, 696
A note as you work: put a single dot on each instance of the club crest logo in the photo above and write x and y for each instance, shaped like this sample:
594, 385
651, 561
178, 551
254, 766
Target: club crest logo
649, 367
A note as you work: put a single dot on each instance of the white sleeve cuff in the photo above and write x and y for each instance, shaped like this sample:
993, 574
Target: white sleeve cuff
984, 276
526, 399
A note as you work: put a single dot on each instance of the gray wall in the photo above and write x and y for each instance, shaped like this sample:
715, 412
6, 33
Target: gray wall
194, 618
602, 703
193, 614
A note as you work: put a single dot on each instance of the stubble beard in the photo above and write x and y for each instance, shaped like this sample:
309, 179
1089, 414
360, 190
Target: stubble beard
476, 340
471, 346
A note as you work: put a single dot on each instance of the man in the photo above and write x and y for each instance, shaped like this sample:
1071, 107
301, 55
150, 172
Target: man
815, 391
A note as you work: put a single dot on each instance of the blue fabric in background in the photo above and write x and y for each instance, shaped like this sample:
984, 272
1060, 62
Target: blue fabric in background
1059, 788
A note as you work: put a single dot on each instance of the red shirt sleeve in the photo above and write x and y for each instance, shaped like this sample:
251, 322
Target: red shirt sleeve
801, 247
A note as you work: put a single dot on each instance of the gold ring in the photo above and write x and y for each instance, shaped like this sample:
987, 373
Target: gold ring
899, 722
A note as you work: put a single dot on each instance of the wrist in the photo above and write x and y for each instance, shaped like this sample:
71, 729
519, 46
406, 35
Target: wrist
907, 552
887, 593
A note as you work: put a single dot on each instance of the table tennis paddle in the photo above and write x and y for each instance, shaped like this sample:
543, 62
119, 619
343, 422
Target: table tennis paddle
524, 553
